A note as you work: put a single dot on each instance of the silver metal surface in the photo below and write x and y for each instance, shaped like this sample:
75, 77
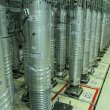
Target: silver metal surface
53, 43
40, 55
98, 34
6, 55
11, 49
87, 37
61, 41
76, 46
107, 31
103, 32
93, 35
5, 101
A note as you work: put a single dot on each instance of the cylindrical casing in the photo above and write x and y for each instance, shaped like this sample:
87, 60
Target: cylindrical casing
87, 37
76, 46
107, 30
61, 41
6, 54
106, 27
93, 33
98, 34
5, 101
103, 32
67, 36
53, 43
40, 55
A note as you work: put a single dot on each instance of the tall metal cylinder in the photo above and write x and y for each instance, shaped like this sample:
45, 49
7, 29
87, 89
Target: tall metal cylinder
87, 37
67, 36
76, 46
5, 102
61, 41
53, 43
107, 31
40, 55
6, 55
103, 32
98, 34
105, 36
93, 33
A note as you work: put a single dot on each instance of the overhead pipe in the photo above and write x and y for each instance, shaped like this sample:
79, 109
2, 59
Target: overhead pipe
40, 55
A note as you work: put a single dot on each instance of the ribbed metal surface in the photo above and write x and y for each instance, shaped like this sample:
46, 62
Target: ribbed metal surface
42, 100
98, 34
40, 55
11, 49
93, 33
61, 40
76, 47
53, 43
5, 102
87, 37
6, 55
103, 32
